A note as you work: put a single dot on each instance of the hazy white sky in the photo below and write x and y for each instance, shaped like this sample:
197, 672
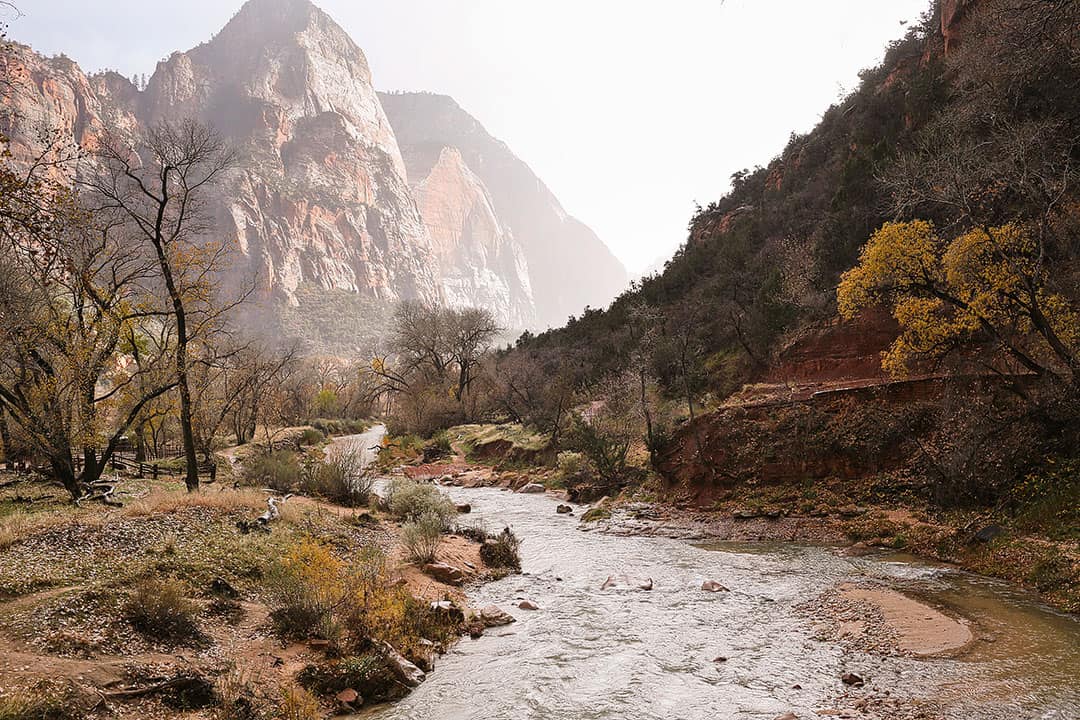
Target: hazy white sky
631, 111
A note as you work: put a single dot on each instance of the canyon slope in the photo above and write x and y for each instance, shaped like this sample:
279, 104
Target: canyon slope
321, 207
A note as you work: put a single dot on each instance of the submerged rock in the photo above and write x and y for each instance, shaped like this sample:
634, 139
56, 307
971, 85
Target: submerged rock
628, 582
850, 678
713, 586
564, 509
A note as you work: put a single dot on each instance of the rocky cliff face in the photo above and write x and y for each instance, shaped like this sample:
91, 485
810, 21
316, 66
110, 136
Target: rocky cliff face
569, 267
483, 263
321, 206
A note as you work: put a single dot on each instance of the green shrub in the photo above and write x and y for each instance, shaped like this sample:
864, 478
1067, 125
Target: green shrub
502, 551
277, 470
160, 608
421, 537
311, 436
408, 500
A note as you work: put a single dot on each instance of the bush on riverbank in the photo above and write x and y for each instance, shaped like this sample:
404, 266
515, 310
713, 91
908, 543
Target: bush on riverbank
409, 501
502, 551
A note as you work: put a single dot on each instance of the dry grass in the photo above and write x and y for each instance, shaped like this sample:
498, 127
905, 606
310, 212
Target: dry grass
168, 501
18, 526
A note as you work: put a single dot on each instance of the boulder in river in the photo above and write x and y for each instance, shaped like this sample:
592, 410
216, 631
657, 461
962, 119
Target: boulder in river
444, 573
463, 508
628, 582
564, 509
850, 678
787, 716
528, 605
533, 488
713, 586
494, 616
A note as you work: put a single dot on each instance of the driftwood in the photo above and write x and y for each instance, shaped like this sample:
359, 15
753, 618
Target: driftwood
262, 523
193, 683
101, 490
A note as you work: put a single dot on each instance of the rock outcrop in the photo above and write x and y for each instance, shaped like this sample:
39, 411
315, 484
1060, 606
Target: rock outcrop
320, 206
482, 262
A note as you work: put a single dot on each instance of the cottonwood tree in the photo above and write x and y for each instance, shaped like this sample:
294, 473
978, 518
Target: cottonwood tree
435, 354
232, 380
72, 288
160, 187
990, 285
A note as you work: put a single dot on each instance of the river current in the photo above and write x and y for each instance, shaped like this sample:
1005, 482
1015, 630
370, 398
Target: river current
620, 653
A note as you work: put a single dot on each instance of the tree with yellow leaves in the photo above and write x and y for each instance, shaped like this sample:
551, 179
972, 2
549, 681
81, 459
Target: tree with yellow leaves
988, 284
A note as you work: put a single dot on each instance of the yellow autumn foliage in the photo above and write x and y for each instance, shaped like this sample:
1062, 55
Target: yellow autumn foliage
941, 293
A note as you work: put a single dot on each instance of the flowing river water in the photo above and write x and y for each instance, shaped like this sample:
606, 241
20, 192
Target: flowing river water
591, 653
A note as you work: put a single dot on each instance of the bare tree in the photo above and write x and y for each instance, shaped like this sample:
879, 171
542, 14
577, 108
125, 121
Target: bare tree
160, 188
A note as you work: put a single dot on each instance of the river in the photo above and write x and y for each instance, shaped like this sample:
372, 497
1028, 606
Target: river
591, 653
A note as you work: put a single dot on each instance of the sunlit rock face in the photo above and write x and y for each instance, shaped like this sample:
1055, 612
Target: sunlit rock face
569, 267
321, 196
323, 205
482, 264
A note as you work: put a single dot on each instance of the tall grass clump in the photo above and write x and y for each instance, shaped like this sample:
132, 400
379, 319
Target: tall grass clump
340, 477
278, 470
421, 537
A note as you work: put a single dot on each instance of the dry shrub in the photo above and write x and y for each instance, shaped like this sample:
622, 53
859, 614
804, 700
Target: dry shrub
160, 608
278, 470
502, 551
341, 477
238, 696
367, 673
421, 537
298, 704
313, 593
46, 700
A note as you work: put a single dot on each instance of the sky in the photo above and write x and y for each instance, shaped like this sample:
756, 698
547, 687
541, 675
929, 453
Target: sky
630, 110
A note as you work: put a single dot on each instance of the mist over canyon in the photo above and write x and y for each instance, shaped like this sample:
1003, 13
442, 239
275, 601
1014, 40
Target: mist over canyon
345, 200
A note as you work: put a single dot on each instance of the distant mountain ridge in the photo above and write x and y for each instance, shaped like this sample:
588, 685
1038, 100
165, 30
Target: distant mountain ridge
322, 204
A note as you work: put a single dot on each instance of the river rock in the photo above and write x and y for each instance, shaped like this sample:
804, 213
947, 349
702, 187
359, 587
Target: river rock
987, 534
402, 669
533, 488
528, 605
349, 698
564, 509
850, 678
627, 581
859, 549
745, 514
445, 573
494, 616
787, 716
463, 508
713, 586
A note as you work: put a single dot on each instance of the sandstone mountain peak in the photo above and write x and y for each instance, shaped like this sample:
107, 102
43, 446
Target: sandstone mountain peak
328, 211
